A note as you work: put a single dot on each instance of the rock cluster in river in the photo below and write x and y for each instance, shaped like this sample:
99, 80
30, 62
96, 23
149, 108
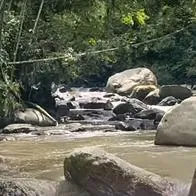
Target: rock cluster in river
132, 100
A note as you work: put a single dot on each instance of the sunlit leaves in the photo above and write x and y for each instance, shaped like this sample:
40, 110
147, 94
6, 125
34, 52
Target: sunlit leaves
141, 16
92, 42
127, 19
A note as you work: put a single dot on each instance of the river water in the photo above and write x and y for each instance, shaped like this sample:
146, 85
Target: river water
42, 157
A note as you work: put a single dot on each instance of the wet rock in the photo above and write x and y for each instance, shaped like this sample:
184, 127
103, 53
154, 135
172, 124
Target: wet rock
152, 98
123, 108
137, 105
109, 95
136, 124
121, 117
80, 129
72, 105
177, 91
177, 127
93, 89
169, 101
124, 82
141, 91
62, 110
152, 114
131, 106
93, 104
26, 187
103, 174
74, 116
19, 128
92, 114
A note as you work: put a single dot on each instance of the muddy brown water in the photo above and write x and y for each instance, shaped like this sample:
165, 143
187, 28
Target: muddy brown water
42, 157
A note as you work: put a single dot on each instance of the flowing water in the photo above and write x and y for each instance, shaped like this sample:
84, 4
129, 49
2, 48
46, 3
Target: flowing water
42, 157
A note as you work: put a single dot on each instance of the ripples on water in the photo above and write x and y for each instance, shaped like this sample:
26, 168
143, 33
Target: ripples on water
42, 157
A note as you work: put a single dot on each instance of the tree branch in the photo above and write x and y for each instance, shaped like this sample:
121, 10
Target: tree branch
100, 51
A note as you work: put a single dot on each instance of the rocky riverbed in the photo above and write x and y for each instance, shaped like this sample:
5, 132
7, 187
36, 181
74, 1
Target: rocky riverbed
35, 145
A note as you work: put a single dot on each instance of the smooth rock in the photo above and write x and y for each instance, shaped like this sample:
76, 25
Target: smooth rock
140, 92
177, 91
34, 117
152, 98
178, 126
124, 82
103, 174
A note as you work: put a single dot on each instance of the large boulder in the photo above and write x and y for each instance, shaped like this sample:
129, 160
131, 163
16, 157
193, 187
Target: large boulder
103, 174
34, 117
124, 82
178, 126
177, 91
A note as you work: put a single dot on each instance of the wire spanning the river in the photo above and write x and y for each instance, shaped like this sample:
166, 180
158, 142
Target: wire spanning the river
99, 51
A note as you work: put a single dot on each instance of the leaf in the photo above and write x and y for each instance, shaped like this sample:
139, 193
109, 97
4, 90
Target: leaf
127, 19
141, 17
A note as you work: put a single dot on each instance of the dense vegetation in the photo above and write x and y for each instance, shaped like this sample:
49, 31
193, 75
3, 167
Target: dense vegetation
84, 42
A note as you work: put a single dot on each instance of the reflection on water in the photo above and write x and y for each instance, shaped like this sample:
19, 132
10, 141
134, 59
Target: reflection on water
43, 158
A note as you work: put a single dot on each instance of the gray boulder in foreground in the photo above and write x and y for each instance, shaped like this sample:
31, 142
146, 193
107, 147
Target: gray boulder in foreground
178, 126
103, 174
124, 82
26, 187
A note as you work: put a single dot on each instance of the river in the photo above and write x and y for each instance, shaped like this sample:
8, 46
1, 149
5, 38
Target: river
42, 157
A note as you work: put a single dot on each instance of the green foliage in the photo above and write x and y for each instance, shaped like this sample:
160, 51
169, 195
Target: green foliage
77, 26
9, 90
141, 16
